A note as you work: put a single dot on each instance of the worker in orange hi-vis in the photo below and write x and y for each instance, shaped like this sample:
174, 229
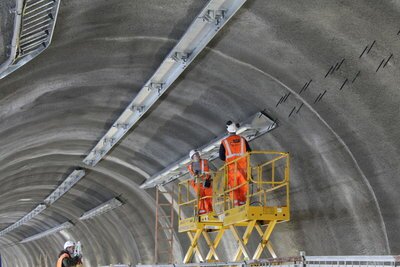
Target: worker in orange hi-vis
235, 147
67, 258
199, 168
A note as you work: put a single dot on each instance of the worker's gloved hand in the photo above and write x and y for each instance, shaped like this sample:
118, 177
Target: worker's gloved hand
207, 183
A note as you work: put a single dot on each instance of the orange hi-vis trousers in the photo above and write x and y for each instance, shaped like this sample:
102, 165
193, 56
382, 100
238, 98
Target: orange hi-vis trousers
237, 177
205, 197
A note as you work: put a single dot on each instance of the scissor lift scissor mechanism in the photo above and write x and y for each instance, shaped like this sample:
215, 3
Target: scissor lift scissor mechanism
267, 203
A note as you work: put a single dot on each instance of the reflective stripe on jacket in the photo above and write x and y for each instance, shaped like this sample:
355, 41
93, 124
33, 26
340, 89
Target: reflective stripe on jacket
61, 258
204, 168
235, 146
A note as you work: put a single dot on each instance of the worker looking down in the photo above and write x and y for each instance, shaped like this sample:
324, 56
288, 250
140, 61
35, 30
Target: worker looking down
202, 183
66, 258
235, 147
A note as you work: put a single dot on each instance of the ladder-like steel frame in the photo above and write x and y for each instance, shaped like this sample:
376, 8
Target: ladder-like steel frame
164, 226
263, 243
242, 241
195, 235
34, 23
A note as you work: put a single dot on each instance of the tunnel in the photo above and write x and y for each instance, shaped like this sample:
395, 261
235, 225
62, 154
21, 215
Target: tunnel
324, 71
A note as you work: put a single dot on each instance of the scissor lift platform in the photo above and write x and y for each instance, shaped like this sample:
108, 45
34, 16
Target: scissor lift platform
267, 203
207, 221
243, 214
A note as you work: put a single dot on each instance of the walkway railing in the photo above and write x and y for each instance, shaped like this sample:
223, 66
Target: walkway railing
305, 261
116, 265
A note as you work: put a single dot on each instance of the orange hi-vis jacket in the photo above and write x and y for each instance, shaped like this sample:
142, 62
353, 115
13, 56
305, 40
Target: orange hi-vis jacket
205, 204
61, 258
235, 147
204, 169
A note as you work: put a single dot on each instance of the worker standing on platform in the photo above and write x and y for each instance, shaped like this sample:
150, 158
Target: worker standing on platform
233, 149
202, 183
66, 258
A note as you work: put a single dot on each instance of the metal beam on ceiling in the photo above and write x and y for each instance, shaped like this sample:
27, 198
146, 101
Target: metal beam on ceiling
32, 214
64, 187
253, 127
51, 231
103, 208
202, 30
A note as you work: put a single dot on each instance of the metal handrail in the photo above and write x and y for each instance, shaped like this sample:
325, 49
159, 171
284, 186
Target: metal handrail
190, 201
264, 185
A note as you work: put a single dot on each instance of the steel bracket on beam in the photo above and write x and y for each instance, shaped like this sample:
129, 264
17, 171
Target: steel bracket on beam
158, 87
180, 57
139, 109
123, 126
214, 16
99, 152
109, 141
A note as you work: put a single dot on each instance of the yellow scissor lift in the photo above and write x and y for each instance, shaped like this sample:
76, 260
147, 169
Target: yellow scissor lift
197, 225
267, 203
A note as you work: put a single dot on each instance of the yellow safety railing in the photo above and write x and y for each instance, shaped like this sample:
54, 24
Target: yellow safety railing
262, 176
187, 201
189, 198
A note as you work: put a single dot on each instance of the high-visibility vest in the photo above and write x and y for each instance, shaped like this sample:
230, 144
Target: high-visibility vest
235, 146
61, 258
204, 168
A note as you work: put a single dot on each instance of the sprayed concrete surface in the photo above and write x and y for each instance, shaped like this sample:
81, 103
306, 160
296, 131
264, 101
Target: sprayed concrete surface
344, 147
6, 27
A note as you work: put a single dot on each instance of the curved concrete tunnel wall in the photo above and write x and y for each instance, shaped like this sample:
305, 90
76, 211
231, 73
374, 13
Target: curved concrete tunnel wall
344, 148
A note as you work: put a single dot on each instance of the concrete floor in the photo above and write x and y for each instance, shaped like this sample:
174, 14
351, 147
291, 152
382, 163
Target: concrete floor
345, 148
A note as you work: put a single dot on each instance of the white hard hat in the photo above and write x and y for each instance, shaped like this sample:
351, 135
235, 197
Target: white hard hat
231, 127
69, 243
192, 152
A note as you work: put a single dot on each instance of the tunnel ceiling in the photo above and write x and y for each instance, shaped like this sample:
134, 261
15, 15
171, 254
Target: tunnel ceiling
6, 26
342, 132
